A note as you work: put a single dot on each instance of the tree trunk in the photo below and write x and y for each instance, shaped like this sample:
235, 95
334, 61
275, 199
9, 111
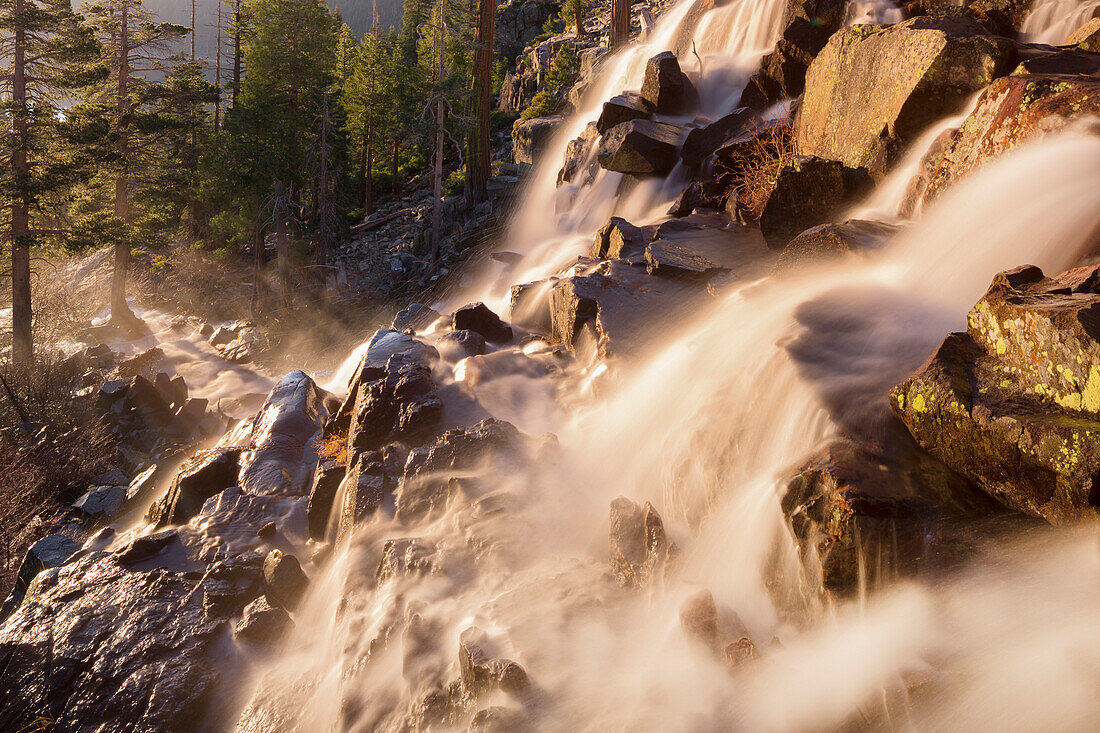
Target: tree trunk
395, 184
366, 169
193, 31
120, 311
437, 208
236, 50
22, 353
282, 240
620, 23
218, 73
578, 19
478, 158
259, 284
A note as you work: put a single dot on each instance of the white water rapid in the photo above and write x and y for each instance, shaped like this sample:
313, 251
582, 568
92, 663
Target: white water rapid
707, 427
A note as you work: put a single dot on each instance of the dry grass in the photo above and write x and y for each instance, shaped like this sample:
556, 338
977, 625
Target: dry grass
335, 447
751, 172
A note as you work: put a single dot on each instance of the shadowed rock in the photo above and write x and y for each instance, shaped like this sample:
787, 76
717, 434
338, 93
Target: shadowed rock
666, 87
640, 148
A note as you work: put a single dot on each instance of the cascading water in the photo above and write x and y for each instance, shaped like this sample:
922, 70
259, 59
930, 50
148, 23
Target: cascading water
1052, 21
706, 428
721, 49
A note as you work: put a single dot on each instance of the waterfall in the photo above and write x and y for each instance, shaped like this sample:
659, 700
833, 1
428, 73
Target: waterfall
1052, 21
706, 428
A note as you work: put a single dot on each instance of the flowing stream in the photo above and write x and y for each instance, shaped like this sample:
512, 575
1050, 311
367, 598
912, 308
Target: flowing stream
707, 427
1052, 21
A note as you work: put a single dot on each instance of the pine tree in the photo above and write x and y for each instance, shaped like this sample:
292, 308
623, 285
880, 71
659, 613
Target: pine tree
134, 46
291, 59
478, 159
47, 51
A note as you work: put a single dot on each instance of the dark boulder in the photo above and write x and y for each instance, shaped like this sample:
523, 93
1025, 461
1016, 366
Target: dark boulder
52, 551
640, 148
640, 552
701, 142
146, 547
371, 478
666, 87
829, 242
808, 192
101, 647
461, 344
578, 153
623, 108
101, 502
478, 318
263, 625
205, 474
696, 195
326, 482
417, 317
284, 581
281, 450
398, 402
618, 239
531, 137
425, 484
807, 26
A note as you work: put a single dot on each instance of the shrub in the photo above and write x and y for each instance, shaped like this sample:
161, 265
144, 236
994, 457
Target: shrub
752, 171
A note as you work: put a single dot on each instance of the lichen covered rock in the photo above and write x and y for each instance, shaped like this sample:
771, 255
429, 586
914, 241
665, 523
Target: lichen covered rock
1014, 402
872, 90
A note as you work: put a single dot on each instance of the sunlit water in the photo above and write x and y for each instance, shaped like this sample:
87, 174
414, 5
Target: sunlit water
707, 427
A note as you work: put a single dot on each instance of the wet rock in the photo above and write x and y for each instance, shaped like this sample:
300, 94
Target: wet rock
872, 90
229, 584
263, 625
367, 484
701, 142
1067, 62
618, 239
101, 502
405, 557
741, 652
461, 344
478, 318
396, 403
615, 308
639, 550
1087, 37
577, 154
52, 551
1014, 402
530, 137
481, 673
808, 192
144, 548
284, 581
807, 26
386, 343
699, 246
863, 517
699, 619
425, 483
530, 306
326, 482
1011, 111
267, 532
281, 451
101, 647
695, 196
498, 719
623, 108
202, 476
666, 87
639, 148
829, 242
140, 364
417, 317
